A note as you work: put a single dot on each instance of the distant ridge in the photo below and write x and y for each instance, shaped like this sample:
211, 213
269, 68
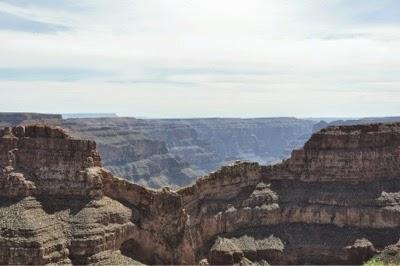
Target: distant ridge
88, 115
16, 118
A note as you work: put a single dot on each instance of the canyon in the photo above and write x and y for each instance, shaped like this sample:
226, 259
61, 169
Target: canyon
175, 152
336, 200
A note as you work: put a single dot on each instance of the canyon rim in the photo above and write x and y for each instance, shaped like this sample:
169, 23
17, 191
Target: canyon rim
334, 201
200, 132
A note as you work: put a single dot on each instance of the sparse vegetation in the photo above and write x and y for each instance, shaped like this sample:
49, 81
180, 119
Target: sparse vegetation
378, 262
374, 262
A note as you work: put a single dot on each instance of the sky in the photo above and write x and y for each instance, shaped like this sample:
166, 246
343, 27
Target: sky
201, 58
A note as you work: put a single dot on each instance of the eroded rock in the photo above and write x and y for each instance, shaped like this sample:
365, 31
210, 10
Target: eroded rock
333, 202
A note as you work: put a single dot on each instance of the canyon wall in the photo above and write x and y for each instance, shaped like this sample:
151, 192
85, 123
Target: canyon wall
159, 152
128, 151
335, 201
175, 152
13, 119
263, 140
59, 206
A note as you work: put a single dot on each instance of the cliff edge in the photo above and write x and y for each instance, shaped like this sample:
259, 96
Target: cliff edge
335, 201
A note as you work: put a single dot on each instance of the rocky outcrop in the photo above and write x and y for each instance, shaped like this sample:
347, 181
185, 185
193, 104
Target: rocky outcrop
42, 167
351, 153
341, 187
44, 160
335, 201
58, 205
390, 255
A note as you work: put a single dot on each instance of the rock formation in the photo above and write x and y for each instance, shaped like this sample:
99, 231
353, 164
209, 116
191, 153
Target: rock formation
59, 206
13, 119
174, 152
335, 201
263, 140
129, 152
367, 120
342, 187
159, 152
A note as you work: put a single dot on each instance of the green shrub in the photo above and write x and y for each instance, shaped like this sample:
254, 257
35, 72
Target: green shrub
375, 262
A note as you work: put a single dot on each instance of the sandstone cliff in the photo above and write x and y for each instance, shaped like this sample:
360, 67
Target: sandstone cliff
59, 206
335, 201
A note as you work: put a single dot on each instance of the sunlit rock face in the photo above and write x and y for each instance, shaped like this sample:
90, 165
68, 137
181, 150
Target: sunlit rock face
58, 205
335, 201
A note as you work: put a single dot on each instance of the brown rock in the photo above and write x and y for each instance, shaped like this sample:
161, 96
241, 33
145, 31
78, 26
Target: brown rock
336, 201
361, 251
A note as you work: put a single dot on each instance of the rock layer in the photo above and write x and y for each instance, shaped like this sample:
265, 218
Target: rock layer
174, 152
209, 143
128, 151
335, 201
14, 119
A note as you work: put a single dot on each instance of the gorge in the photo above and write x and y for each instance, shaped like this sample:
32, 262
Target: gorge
175, 152
334, 201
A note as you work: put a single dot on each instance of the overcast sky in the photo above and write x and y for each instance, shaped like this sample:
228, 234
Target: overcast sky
201, 58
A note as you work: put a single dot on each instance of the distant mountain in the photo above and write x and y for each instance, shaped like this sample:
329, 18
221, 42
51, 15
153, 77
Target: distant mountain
12, 119
88, 115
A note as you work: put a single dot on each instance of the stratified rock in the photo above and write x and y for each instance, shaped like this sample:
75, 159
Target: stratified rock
55, 205
223, 140
173, 152
245, 249
336, 201
343, 186
14, 119
351, 153
224, 251
128, 151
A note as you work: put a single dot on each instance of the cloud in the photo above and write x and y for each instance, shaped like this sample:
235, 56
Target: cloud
204, 58
15, 23
36, 14
47, 74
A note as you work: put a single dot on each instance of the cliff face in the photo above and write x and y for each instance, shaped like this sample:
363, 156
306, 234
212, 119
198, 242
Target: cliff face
157, 152
334, 201
263, 140
367, 120
127, 150
174, 152
45, 160
59, 206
